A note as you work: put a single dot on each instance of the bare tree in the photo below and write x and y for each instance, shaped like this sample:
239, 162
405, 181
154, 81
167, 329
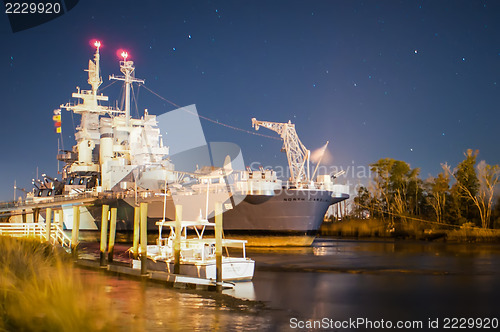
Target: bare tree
399, 205
488, 176
437, 188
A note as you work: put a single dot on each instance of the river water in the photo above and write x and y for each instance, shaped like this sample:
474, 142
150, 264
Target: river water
332, 282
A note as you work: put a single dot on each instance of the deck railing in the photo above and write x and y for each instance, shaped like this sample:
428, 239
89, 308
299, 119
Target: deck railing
53, 199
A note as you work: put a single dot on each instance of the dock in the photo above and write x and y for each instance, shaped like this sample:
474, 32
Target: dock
168, 279
27, 207
37, 231
52, 232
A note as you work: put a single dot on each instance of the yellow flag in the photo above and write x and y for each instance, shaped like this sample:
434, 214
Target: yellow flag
57, 118
58, 130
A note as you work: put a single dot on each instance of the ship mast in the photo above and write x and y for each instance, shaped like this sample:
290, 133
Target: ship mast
127, 68
87, 135
95, 79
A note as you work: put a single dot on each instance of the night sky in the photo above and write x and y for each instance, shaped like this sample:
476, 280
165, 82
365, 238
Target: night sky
417, 81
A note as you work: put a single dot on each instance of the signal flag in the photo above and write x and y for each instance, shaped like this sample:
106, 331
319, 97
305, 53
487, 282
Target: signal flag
57, 120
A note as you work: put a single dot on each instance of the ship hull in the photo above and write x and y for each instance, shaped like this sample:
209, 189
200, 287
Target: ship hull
291, 217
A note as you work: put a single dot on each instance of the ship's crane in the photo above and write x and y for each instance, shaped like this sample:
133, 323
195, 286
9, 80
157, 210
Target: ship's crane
297, 154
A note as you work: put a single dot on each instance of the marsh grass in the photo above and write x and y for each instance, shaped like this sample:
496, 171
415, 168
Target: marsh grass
356, 228
40, 290
473, 234
375, 228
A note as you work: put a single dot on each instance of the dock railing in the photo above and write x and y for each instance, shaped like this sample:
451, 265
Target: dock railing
37, 231
33, 202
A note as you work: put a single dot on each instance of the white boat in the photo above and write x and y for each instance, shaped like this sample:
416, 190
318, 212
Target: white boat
197, 253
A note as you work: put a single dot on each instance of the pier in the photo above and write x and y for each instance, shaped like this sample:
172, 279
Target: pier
25, 207
37, 231
137, 264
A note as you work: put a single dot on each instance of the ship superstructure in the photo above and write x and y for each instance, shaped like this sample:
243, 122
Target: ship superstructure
113, 151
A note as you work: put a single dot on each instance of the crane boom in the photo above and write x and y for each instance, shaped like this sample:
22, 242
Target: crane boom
296, 152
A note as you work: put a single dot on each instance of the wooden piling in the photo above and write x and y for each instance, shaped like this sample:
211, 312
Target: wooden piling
61, 218
75, 230
48, 223
137, 224
177, 239
144, 238
104, 235
112, 234
218, 246
36, 214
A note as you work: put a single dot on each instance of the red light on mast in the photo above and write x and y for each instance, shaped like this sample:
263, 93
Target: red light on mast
122, 54
95, 43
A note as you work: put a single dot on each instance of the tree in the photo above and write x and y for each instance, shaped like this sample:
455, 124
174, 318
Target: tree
452, 212
496, 213
396, 186
488, 176
478, 188
362, 202
381, 181
465, 175
415, 191
437, 191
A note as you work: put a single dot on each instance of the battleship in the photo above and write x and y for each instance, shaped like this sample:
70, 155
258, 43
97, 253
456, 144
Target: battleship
121, 161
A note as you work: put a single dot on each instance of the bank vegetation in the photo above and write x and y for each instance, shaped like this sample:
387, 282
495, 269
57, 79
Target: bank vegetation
459, 204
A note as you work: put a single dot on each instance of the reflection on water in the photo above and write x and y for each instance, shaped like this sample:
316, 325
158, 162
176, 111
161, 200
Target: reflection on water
344, 296
383, 257
242, 290
149, 307
381, 280
334, 279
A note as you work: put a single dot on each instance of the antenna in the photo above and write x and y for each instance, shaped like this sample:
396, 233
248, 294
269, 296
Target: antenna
95, 79
127, 68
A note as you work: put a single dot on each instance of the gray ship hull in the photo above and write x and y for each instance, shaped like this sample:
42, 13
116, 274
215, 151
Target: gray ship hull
291, 217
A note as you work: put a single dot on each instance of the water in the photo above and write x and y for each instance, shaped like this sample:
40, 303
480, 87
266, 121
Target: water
139, 306
334, 279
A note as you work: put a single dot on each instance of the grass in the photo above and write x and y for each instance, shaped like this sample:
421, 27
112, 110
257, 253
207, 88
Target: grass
356, 228
41, 291
469, 234
376, 228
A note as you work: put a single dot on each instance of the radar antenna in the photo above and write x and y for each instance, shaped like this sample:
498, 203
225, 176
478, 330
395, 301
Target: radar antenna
127, 68
95, 79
